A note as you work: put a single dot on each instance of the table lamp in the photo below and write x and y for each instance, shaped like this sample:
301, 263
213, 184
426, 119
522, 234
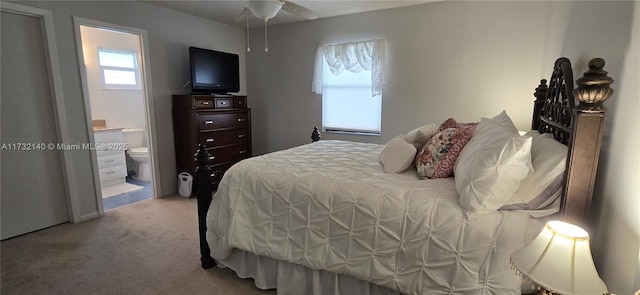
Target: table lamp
559, 261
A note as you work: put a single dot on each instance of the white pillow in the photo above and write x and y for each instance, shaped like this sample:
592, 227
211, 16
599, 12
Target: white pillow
543, 187
397, 155
505, 121
421, 135
491, 167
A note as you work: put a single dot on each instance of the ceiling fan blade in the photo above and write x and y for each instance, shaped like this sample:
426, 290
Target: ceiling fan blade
298, 10
242, 15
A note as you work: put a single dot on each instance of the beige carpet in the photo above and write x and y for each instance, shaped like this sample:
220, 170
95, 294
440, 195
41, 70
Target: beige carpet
150, 247
120, 188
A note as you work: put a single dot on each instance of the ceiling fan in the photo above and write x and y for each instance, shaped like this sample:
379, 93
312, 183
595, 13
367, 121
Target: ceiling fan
267, 9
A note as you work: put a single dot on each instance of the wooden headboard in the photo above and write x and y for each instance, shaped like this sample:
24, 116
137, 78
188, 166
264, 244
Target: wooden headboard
579, 126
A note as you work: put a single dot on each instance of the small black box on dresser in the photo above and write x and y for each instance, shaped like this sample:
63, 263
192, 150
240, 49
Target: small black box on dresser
222, 123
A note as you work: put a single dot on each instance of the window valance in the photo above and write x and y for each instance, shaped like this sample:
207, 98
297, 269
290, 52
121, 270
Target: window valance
354, 57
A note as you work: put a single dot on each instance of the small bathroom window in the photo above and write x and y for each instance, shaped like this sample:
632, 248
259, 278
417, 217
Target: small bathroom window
119, 69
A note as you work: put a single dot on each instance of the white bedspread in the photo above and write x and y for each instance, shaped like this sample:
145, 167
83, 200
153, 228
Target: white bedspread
329, 205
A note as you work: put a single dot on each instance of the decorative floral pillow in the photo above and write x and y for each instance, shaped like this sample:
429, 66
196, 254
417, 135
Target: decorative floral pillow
452, 123
438, 156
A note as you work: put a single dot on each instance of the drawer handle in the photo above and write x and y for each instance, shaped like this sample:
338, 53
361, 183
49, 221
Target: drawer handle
243, 152
110, 172
208, 159
212, 175
241, 135
208, 122
222, 102
241, 119
108, 161
209, 140
206, 103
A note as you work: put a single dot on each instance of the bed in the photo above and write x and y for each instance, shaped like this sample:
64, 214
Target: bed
325, 217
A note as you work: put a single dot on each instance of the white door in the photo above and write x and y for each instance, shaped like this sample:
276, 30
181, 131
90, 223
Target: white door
32, 186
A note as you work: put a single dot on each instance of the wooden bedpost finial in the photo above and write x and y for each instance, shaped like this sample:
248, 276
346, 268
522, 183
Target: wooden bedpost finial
315, 135
594, 86
541, 90
538, 104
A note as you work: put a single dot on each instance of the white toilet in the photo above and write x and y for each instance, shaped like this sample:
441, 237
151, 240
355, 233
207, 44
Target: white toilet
138, 152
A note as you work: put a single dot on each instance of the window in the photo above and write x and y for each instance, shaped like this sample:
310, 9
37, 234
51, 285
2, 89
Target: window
348, 104
118, 69
349, 77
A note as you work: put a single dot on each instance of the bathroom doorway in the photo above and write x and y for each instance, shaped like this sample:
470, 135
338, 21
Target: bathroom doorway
117, 104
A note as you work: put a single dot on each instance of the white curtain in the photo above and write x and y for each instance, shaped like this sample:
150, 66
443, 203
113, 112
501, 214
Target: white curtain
354, 57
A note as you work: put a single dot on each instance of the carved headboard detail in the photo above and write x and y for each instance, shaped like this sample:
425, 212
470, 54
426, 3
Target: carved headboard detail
581, 127
556, 102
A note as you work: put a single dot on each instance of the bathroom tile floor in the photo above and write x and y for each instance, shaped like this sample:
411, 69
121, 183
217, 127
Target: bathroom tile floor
131, 197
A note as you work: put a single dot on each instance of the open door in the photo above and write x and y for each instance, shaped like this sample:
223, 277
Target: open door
117, 94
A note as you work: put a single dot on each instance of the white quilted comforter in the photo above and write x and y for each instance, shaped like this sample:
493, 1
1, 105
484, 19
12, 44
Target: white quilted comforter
328, 205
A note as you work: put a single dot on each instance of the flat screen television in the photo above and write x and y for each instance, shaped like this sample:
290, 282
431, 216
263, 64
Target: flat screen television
214, 71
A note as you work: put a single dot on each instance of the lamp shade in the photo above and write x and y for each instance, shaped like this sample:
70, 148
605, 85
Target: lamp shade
559, 260
264, 9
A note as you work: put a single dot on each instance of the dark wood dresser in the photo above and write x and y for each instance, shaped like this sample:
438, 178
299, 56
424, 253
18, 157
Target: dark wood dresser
222, 123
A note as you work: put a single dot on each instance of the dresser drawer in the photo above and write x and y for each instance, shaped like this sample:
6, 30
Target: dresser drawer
203, 103
108, 136
223, 137
209, 121
112, 172
217, 171
109, 143
224, 103
240, 102
228, 154
111, 160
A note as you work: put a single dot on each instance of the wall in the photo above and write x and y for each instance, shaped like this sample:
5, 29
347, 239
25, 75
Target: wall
169, 36
444, 59
119, 107
611, 30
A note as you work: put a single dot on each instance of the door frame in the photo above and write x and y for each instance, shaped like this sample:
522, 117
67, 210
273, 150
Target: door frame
147, 94
61, 126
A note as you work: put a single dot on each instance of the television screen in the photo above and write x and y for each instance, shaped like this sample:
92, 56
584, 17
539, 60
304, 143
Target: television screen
214, 71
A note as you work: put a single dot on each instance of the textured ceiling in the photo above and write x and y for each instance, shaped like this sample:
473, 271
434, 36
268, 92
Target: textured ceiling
226, 11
